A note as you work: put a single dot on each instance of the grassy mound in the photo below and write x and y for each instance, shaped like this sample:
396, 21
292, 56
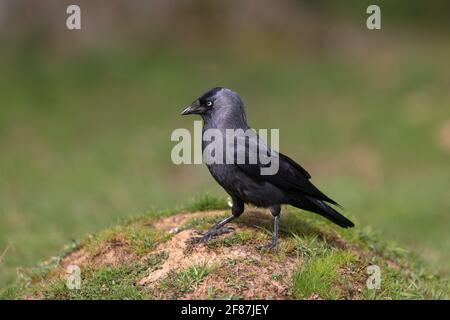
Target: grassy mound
147, 257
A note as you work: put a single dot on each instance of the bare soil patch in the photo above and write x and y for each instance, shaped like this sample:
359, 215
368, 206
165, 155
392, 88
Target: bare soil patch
240, 270
443, 136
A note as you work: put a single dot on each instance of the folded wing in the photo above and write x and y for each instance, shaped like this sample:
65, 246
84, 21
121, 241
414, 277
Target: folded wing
290, 176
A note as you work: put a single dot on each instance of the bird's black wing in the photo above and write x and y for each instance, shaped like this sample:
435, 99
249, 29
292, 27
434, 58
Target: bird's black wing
290, 177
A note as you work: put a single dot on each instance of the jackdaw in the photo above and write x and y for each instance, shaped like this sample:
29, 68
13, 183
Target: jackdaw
221, 110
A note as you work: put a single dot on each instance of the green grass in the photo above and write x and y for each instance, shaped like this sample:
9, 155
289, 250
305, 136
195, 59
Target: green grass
320, 276
85, 140
178, 283
104, 283
235, 238
140, 238
201, 223
206, 202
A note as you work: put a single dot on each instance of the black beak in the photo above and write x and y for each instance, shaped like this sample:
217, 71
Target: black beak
194, 108
187, 111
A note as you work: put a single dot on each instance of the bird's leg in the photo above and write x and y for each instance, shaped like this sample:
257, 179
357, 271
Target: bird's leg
272, 246
220, 228
216, 230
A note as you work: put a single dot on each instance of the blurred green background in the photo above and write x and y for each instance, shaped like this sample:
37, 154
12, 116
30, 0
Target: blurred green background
86, 116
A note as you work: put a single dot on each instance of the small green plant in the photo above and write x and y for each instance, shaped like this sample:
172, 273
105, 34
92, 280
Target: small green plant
309, 246
177, 283
213, 292
190, 278
236, 283
276, 276
11, 293
320, 276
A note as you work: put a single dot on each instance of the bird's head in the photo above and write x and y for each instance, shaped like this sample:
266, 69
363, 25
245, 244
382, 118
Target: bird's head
217, 103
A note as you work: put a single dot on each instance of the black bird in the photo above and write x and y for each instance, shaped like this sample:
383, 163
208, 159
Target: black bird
223, 109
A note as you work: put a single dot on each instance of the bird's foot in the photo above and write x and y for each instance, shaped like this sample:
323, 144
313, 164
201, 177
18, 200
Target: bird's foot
270, 247
208, 235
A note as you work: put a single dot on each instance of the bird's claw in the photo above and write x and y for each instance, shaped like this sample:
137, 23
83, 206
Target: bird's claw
208, 235
197, 232
270, 247
226, 229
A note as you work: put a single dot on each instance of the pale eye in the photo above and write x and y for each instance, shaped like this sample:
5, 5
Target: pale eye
209, 103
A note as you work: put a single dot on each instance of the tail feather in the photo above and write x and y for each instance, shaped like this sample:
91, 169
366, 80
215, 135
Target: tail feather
320, 207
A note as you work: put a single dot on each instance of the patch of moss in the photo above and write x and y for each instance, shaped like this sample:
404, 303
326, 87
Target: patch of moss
138, 236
